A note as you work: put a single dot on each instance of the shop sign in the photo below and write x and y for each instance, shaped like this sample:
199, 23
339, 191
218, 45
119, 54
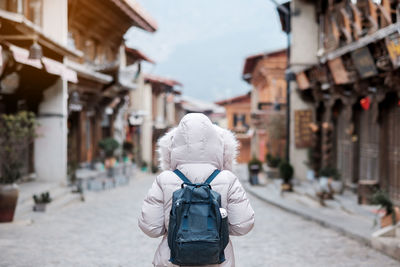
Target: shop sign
302, 128
393, 47
339, 73
364, 62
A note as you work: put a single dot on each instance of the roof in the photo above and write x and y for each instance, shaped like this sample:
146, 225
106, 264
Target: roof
250, 62
236, 99
133, 10
150, 78
137, 54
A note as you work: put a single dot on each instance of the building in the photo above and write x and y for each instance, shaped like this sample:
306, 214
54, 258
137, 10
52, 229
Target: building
106, 73
66, 61
265, 73
350, 88
33, 40
152, 113
238, 116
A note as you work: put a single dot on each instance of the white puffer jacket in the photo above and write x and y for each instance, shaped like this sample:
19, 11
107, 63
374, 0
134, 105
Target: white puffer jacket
196, 147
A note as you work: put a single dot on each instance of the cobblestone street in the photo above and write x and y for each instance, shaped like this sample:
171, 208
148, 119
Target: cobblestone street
103, 232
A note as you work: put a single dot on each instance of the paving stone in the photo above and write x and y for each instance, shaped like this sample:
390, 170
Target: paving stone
103, 231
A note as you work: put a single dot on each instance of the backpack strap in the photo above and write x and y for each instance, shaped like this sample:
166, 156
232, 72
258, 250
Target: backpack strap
212, 176
182, 176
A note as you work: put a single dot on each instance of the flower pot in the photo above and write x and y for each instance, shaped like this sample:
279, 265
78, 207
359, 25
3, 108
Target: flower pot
8, 202
337, 186
286, 187
272, 172
40, 207
387, 220
310, 175
324, 184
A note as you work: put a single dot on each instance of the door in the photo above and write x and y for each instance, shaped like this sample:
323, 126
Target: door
368, 132
345, 147
392, 151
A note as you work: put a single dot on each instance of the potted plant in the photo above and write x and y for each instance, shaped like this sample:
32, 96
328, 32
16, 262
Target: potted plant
286, 172
273, 164
41, 201
17, 132
109, 146
154, 168
330, 180
127, 151
254, 166
392, 214
143, 167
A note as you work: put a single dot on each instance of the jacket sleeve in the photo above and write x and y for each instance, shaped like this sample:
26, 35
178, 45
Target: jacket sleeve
240, 212
151, 219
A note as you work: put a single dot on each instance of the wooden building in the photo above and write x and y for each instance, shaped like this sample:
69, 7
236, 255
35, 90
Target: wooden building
97, 28
355, 90
238, 115
33, 77
266, 74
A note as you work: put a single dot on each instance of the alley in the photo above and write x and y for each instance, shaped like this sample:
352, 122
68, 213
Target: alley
103, 232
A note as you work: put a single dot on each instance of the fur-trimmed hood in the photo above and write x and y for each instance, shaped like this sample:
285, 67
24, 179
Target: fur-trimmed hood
197, 140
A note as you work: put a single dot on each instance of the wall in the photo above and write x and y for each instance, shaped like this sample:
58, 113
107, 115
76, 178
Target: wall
50, 148
55, 19
303, 53
147, 126
50, 153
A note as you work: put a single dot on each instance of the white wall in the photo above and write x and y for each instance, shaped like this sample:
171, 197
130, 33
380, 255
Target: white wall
55, 19
147, 126
303, 53
50, 153
50, 148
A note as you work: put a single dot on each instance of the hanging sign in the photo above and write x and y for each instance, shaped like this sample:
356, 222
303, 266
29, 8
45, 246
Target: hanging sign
364, 62
302, 130
339, 73
393, 47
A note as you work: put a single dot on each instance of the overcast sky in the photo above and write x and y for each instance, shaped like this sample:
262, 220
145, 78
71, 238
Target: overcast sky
203, 43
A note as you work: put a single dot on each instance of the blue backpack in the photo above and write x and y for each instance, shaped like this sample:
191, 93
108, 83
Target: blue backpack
197, 233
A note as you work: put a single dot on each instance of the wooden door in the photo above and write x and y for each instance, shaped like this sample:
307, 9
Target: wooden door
345, 150
368, 132
392, 151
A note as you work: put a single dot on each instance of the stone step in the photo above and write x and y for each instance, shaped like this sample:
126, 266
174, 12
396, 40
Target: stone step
60, 196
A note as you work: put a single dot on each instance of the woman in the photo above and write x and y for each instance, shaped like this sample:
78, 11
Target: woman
196, 148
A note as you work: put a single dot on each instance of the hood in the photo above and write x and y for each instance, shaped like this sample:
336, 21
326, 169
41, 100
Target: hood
197, 140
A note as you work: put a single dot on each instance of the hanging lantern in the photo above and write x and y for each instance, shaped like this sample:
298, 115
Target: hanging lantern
365, 103
398, 103
35, 51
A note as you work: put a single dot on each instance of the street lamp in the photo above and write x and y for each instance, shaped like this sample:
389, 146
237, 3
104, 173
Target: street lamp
285, 12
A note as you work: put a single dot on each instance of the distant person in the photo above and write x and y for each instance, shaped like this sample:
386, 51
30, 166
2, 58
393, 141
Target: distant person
196, 150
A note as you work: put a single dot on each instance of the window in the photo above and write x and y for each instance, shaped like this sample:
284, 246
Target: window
90, 49
31, 9
34, 11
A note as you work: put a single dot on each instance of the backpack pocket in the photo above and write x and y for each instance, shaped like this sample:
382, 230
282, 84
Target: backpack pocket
197, 253
224, 235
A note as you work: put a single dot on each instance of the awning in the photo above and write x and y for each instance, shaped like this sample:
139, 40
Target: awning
54, 67
57, 68
88, 73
